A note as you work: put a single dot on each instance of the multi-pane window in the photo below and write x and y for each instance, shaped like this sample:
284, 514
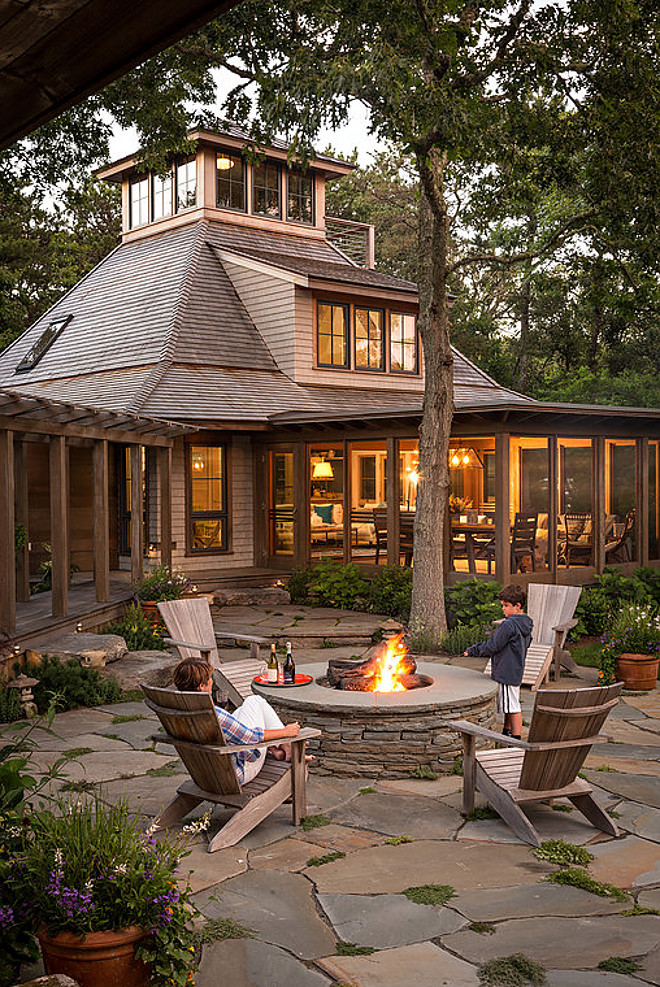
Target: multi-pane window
139, 200
43, 343
230, 170
266, 189
300, 197
332, 334
369, 351
207, 498
161, 191
403, 343
186, 184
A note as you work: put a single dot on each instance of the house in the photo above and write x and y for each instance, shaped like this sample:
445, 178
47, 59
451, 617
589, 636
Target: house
250, 335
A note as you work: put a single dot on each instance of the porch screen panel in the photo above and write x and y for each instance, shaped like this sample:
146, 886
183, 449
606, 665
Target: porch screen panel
575, 535
654, 504
472, 504
124, 499
281, 503
207, 498
620, 501
367, 494
326, 471
529, 471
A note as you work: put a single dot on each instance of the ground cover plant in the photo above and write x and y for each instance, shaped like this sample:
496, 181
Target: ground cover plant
430, 894
10, 706
516, 970
562, 853
72, 683
139, 633
576, 878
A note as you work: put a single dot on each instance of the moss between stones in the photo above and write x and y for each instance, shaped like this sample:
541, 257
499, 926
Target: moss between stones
350, 949
516, 970
577, 878
326, 859
619, 964
562, 853
313, 822
430, 894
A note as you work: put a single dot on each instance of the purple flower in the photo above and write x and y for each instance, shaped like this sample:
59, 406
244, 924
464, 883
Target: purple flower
6, 917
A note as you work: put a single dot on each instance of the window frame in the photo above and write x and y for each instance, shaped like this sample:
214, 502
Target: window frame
412, 315
383, 340
278, 168
35, 354
237, 155
192, 160
299, 174
223, 515
132, 182
152, 192
347, 323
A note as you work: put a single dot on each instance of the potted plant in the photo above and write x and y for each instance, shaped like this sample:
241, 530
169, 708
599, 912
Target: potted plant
103, 896
631, 648
158, 585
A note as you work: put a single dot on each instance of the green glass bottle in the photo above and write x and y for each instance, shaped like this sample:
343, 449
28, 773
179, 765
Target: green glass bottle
289, 666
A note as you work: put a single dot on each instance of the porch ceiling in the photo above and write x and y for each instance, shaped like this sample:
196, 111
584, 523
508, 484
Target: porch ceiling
42, 416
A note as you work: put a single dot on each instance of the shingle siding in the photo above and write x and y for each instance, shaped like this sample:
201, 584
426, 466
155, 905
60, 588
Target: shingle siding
271, 306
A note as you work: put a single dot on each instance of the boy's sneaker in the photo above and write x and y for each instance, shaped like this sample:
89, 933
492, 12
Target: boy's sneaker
507, 733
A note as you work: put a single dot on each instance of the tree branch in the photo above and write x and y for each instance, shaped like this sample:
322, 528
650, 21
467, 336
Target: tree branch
469, 81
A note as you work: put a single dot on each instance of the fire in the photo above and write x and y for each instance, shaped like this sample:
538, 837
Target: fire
390, 667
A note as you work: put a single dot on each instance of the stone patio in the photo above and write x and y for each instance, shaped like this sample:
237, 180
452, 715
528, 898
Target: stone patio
298, 913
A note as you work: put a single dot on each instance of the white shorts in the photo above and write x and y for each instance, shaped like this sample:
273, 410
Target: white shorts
508, 698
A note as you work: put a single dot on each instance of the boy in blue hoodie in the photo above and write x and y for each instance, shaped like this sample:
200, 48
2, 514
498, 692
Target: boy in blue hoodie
507, 649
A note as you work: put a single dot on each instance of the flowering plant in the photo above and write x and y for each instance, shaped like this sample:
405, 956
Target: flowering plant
89, 868
634, 630
162, 584
459, 505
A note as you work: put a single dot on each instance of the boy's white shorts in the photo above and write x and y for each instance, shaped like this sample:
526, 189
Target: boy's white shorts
508, 698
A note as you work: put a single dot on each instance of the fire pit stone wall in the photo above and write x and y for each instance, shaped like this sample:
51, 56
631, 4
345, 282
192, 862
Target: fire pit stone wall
387, 735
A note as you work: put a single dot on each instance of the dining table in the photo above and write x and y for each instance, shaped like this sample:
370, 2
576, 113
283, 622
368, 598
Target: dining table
477, 535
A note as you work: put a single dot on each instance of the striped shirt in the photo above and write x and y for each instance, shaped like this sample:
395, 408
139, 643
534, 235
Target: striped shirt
236, 732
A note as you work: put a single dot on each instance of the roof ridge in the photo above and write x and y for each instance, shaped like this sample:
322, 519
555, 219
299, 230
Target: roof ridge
166, 357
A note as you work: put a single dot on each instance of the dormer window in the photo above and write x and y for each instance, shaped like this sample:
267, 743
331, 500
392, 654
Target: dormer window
186, 184
45, 341
139, 200
300, 197
231, 173
266, 195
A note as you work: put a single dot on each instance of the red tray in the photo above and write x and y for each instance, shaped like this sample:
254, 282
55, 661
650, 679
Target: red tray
299, 680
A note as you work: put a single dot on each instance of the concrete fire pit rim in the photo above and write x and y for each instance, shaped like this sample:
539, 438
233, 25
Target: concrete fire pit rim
453, 687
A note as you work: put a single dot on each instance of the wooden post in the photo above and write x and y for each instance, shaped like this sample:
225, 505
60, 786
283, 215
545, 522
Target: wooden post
301, 544
59, 522
393, 497
348, 529
22, 516
469, 772
7, 560
101, 520
137, 525
502, 518
553, 506
165, 480
598, 559
642, 501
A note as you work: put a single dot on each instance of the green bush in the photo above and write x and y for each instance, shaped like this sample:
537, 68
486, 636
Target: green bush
10, 706
335, 585
600, 603
461, 637
391, 592
592, 612
475, 601
299, 585
137, 630
73, 685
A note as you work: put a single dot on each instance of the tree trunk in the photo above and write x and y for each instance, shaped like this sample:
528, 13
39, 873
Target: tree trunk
428, 607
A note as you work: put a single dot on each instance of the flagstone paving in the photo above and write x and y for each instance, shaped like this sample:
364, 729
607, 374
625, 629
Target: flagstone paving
298, 913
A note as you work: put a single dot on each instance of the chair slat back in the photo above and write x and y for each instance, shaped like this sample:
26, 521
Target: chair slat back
524, 530
548, 606
553, 769
191, 717
190, 620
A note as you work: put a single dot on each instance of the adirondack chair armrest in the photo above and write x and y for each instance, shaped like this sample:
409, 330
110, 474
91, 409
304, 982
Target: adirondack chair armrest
307, 733
231, 636
203, 648
465, 726
566, 626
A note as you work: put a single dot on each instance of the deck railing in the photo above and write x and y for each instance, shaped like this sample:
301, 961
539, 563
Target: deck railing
356, 240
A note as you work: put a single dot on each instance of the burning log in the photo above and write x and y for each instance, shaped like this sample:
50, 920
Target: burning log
357, 676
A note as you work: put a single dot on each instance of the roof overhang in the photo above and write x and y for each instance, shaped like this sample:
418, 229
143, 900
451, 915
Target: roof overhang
54, 54
31, 415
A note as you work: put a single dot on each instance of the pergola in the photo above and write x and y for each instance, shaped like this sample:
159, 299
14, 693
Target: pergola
25, 419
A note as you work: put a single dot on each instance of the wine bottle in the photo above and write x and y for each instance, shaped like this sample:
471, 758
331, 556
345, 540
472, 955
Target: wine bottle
272, 666
289, 667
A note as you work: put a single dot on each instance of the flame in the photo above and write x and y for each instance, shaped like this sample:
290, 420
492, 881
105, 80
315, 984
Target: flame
385, 679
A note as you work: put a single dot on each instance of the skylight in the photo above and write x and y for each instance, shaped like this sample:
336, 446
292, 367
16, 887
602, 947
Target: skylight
45, 341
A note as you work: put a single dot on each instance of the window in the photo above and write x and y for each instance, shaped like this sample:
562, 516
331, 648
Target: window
45, 341
266, 189
403, 343
300, 197
207, 498
162, 195
230, 170
186, 184
369, 354
139, 203
332, 331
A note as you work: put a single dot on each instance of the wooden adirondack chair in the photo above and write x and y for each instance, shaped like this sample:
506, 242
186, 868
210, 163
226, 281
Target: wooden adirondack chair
551, 608
191, 628
565, 724
192, 726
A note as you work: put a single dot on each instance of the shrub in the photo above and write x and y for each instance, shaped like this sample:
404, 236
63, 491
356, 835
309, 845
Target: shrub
73, 685
137, 630
162, 584
474, 602
335, 585
634, 630
298, 585
461, 637
592, 612
10, 706
391, 592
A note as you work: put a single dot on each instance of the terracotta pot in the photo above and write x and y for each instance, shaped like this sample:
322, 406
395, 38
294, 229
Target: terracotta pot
150, 610
638, 671
101, 959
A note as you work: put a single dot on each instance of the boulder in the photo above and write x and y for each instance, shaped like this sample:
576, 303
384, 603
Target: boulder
93, 650
151, 667
251, 596
52, 980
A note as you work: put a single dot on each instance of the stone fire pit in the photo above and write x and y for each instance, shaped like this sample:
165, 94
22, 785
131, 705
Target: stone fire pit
387, 735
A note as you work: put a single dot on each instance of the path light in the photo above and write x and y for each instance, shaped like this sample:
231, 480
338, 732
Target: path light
25, 684
79, 627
